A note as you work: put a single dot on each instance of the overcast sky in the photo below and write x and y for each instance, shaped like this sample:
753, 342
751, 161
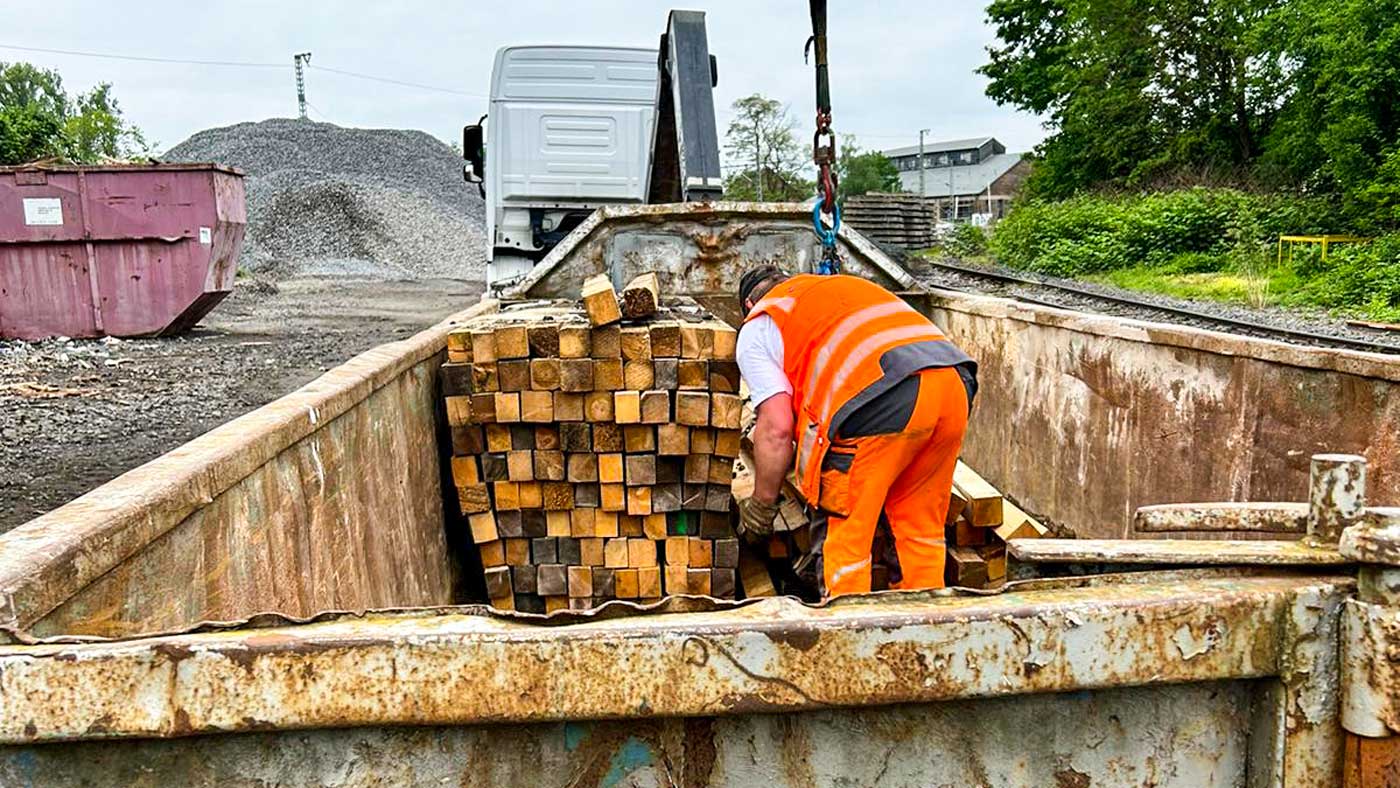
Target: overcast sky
896, 66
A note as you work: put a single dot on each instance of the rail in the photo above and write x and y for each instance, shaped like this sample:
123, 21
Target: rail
1231, 324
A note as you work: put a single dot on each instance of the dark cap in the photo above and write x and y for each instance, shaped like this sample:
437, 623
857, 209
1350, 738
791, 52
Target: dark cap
754, 277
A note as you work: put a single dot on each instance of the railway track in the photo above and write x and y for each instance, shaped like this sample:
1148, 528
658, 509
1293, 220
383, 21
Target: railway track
1014, 286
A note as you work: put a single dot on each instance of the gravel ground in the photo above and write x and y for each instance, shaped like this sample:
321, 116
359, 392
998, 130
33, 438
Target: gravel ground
1317, 322
386, 203
76, 413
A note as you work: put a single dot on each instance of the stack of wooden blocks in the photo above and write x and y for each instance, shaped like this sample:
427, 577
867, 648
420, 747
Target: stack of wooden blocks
593, 455
979, 524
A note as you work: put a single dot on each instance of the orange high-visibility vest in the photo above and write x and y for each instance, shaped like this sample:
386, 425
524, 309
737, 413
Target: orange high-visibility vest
845, 342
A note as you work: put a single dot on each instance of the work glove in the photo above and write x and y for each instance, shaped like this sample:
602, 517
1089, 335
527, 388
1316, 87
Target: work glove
756, 517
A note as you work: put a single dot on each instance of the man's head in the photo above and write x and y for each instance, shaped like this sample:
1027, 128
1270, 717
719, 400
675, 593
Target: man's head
756, 282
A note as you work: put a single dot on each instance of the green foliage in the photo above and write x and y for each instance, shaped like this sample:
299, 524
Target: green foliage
1204, 243
966, 240
1298, 95
1357, 277
39, 120
1137, 89
1338, 131
864, 171
770, 159
1093, 233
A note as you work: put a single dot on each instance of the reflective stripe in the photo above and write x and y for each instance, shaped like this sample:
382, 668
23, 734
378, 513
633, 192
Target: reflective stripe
846, 570
804, 450
863, 351
843, 331
925, 540
784, 304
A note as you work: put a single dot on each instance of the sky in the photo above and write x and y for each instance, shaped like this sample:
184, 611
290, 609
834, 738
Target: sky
896, 66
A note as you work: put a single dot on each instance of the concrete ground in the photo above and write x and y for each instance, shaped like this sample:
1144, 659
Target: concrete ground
75, 414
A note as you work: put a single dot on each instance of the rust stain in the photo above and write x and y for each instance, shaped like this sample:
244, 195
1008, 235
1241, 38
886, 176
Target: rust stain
800, 639
796, 752
700, 752
1069, 777
181, 724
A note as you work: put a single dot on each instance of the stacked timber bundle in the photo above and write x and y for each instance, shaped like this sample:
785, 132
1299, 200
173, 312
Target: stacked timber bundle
905, 221
594, 448
978, 524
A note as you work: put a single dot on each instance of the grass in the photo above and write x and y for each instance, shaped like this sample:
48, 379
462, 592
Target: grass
1256, 288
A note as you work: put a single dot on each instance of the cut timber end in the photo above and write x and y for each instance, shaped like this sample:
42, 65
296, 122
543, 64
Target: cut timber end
641, 296
575, 341
600, 301
983, 500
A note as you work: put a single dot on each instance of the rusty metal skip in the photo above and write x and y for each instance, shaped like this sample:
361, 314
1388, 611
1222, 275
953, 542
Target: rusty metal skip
168, 627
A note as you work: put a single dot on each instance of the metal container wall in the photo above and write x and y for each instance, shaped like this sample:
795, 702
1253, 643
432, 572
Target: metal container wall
127, 250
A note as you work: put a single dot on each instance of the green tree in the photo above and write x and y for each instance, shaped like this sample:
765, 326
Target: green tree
96, 130
33, 109
1136, 90
39, 119
764, 150
1339, 131
862, 172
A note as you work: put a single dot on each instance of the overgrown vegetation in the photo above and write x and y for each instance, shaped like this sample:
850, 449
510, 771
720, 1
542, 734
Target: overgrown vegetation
966, 241
1285, 108
1206, 243
40, 120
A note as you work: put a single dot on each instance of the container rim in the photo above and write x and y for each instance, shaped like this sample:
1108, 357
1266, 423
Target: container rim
120, 167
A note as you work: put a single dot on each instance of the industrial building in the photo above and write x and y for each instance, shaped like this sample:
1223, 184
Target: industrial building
969, 176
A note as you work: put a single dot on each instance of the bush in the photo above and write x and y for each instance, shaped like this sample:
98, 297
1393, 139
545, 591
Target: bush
966, 240
1096, 233
1165, 236
1357, 276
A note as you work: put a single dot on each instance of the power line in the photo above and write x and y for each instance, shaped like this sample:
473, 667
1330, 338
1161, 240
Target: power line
397, 82
239, 64
110, 56
318, 111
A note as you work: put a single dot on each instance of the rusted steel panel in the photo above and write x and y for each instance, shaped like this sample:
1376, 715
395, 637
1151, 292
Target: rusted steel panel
1189, 736
699, 249
776, 655
348, 518
327, 495
1174, 552
1370, 674
1222, 517
1372, 763
121, 251
1336, 495
1376, 540
1087, 418
1307, 715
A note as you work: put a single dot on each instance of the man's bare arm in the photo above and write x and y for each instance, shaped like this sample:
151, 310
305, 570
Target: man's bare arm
772, 446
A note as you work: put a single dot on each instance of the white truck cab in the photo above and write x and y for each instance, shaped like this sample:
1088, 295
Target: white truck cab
570, 130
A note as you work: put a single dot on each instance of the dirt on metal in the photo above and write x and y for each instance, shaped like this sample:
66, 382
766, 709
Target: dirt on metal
442, 668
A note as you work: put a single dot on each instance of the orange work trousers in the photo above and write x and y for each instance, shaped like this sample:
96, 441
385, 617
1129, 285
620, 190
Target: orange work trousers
907, 475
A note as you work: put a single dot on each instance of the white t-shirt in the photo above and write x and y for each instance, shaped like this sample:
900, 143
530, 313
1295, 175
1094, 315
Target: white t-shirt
760, 355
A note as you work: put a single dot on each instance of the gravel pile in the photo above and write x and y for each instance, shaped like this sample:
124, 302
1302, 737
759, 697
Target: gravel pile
323, 199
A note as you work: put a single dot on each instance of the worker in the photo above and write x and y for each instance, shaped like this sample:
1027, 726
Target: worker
870, 401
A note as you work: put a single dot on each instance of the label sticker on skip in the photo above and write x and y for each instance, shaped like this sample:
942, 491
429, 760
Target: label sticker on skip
43, 211
206, 236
